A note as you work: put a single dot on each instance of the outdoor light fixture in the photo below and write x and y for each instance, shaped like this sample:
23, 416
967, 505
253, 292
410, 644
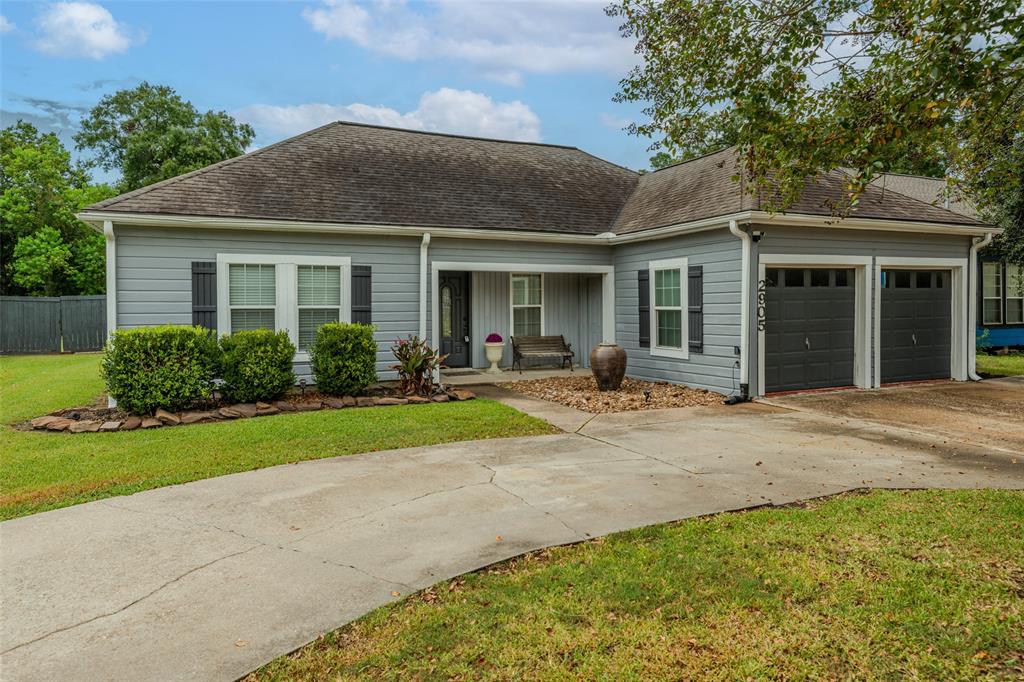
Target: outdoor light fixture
647, 395
302, 387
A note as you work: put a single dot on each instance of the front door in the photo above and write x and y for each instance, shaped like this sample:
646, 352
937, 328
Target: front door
453, 294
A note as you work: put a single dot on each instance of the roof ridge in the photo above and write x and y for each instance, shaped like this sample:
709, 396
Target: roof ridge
439, 133
205, 169
695, 158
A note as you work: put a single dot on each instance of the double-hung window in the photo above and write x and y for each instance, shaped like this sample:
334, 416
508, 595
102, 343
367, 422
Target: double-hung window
668, 296
319, 293
296, 294
527, 305
252, 296
1014, 294
992, 293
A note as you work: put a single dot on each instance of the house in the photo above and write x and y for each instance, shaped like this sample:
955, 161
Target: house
1001, 284
454, 237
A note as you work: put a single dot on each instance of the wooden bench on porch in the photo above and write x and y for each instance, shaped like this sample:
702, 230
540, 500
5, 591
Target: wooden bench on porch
541, 347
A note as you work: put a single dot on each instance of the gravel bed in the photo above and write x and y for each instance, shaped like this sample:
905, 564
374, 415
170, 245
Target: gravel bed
581, 393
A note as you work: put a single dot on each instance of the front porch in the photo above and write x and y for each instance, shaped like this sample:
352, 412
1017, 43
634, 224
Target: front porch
471, 300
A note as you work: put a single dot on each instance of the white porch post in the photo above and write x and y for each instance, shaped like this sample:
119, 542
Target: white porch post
608, 307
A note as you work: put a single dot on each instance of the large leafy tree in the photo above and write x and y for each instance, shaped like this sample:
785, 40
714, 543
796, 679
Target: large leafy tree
802, 86
40, 191
149, 133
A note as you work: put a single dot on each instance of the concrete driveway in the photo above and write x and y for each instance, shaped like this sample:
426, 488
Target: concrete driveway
211, 579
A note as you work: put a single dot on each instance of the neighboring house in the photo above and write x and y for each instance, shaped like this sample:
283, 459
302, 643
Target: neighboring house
1001, 285
455, 237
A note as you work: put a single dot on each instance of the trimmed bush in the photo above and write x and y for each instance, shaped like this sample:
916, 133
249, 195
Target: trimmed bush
256, 365
344, 358
169, 366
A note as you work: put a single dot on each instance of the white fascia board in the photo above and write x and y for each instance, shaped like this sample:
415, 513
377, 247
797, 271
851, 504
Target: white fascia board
96, 219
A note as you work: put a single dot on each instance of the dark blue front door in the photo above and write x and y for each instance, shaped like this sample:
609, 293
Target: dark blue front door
453, 294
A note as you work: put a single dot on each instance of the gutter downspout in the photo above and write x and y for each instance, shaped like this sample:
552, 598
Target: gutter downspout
744, 309
424, 245
977, 244
111, 268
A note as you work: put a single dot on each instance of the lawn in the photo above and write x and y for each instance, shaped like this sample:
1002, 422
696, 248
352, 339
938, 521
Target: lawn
885, 585
1001, 365
40, 471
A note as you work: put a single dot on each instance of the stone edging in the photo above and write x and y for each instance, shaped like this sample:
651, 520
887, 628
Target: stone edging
161, 418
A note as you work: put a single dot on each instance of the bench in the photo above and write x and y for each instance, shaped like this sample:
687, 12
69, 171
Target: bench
541, 347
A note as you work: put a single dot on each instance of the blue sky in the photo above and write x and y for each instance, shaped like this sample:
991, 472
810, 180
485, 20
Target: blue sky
532, 71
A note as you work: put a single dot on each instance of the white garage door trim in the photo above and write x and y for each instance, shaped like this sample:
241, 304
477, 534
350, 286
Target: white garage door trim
862, 337
961, 343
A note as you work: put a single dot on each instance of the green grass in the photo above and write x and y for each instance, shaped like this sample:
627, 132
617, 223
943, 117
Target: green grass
40, 471
886, 585
1001, 365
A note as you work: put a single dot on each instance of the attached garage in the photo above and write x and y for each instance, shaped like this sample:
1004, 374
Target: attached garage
809, 328
916, 318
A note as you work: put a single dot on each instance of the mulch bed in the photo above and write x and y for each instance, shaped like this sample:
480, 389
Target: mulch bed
581, 393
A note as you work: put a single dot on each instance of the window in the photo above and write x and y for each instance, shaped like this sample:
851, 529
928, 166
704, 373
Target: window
669, 296
1014, 294
252, 296
296, 294
319, 300
992, 293
527, 305
446, 312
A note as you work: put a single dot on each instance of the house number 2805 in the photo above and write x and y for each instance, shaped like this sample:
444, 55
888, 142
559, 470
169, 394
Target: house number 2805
760, 305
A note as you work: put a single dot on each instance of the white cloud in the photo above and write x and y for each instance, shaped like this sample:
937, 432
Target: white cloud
82, 29
614, 122
502, 39
445, 110
6, 25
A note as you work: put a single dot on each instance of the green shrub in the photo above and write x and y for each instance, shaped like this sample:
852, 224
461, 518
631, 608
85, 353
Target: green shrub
169, 366
256, 365
344, 358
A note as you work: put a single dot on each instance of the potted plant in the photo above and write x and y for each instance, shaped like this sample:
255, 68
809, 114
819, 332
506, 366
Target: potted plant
494, 348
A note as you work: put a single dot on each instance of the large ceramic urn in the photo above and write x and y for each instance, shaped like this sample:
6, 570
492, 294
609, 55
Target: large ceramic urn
608, 363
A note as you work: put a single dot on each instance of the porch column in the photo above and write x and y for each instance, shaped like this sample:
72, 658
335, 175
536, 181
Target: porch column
608, 307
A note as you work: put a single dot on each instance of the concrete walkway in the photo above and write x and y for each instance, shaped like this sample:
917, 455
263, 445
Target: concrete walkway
211, 579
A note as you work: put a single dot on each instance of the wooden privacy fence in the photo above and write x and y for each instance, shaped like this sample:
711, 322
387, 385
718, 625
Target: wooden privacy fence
37, 324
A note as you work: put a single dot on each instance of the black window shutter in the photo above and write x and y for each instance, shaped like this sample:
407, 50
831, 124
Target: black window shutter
361, 278
695, 290
204, 294
644, 296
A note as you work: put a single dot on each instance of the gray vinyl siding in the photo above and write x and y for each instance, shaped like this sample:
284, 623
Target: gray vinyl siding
489, 291
719, 253
836, 241
154, 274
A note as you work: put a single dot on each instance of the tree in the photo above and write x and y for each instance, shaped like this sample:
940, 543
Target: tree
149, 133
41, 188
42, 263
804, 86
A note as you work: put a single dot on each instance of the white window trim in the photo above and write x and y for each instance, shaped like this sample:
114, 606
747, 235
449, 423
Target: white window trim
1012, 291
286, 313
681, 264
274, 307
1001, 289
512, 306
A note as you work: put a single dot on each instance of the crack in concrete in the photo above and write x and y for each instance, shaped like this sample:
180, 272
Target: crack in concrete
494, 472
132, 603
259, 541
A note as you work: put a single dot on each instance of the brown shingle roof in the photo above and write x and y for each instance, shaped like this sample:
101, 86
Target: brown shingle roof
359, 174
352, 173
